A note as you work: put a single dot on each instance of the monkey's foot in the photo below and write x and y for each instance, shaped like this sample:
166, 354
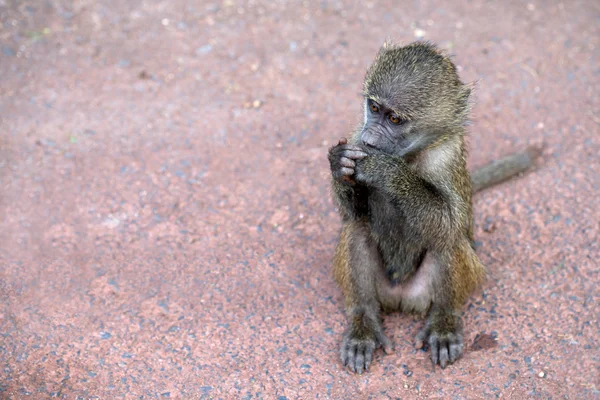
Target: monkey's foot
444, 340
357, 348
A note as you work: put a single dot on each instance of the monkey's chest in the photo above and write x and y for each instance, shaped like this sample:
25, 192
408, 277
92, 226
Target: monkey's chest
402, 283
411, 292
401, 267
401, 256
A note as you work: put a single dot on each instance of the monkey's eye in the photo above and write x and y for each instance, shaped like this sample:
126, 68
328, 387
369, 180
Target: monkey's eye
374, 108
395, 120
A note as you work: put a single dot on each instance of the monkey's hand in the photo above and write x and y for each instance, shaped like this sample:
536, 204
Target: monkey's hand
443, 333
342, 160
378, 168
359, 342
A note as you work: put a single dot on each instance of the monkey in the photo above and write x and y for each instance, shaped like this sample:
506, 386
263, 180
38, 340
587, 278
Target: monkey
404, 196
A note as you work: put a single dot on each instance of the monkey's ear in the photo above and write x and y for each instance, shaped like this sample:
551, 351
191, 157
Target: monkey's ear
466, 102
387, 43
469, 89
473, 85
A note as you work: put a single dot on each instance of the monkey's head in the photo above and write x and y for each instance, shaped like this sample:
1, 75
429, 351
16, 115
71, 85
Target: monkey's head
412, 98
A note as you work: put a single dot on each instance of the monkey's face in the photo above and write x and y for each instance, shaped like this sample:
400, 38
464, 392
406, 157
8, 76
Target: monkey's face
390, 132
384, 129
412, 97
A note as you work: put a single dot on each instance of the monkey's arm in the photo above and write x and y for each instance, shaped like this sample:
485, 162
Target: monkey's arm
352, 200
350, 196
428, 210
505, 168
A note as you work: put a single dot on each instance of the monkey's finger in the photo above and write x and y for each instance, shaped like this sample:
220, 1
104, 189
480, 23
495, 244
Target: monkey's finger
353, 147
344, 352
344, 146
421, 338
353, 154
386, 343
348, 146
369, 355
343, 141
360, 358
348, 180
388, 349
434, 345
443, 355
347, 162
343, 172
341, 147
352, 357
347, 150
456, 350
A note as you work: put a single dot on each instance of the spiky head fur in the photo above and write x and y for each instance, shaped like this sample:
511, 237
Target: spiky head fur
418, 81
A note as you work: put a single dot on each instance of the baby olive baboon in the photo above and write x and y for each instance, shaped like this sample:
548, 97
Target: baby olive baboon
404, 195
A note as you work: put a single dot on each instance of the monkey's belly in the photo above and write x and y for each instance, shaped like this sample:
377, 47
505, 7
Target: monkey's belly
414, 295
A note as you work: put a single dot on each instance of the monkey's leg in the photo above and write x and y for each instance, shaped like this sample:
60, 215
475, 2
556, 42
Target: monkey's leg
355, 264
443, 331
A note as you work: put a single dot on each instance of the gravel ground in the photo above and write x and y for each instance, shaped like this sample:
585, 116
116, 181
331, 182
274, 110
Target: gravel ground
166, 229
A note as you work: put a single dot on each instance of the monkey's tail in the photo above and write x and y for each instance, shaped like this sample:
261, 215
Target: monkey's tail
505, 168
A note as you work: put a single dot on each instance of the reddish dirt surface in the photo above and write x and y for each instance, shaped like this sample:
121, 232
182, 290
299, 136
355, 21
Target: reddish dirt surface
166, 228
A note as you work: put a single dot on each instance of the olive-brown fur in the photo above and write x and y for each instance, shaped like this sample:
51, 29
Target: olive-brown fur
404, 196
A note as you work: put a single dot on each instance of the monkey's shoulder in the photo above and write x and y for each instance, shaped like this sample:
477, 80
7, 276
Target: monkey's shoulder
442, 164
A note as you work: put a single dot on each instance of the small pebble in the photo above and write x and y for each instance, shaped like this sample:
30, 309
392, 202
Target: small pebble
7, 51
419, 33
541, 374
105, 335
204, 49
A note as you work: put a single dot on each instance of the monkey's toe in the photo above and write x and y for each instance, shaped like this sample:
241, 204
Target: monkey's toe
357, 350
446, 347
358, 354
